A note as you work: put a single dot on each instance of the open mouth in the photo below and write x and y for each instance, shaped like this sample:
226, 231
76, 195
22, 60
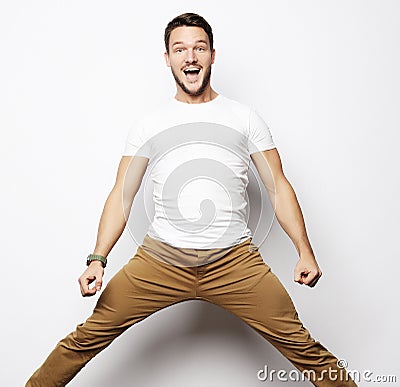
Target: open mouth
192, 73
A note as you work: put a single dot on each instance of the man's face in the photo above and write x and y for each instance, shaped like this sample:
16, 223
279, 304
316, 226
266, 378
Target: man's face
190, 59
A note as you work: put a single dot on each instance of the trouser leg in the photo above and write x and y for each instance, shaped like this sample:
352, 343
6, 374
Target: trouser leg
245, 285
142, 287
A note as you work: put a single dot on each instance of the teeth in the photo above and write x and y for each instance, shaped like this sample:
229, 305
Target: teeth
192, 69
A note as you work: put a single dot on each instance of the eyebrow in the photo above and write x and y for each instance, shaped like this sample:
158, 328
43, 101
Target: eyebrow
197, 41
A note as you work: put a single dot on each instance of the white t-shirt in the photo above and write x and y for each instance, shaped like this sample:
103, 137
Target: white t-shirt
199, 156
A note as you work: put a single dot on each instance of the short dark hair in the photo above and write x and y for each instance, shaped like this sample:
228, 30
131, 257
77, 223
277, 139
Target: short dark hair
191, 20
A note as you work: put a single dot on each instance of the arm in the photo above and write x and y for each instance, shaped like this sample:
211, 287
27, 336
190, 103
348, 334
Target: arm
113, 218
288, 213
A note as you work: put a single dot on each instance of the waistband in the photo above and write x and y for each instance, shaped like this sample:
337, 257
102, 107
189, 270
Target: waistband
182, 256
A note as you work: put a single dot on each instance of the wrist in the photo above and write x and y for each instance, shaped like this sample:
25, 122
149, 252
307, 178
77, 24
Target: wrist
307, 255
96, 263
303, 246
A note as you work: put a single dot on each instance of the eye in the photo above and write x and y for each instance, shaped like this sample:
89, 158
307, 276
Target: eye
179, 50
200, 49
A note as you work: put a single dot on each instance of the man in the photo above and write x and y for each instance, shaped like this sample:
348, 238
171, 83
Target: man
190, 252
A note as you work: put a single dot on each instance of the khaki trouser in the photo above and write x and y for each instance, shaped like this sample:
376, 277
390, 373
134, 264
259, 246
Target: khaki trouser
235, 278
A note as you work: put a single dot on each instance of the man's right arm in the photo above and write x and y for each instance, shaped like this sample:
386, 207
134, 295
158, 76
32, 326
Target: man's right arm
113, 218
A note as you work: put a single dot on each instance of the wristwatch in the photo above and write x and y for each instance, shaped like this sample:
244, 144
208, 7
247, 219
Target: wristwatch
94, 257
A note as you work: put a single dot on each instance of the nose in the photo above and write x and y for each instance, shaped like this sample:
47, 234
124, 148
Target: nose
191, 56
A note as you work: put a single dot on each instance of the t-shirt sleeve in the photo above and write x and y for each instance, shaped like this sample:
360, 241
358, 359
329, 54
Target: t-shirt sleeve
136, 144
260, 137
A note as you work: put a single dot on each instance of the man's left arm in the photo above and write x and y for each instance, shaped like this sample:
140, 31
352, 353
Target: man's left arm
288, 213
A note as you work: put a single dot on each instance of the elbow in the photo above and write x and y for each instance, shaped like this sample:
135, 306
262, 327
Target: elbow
127, 201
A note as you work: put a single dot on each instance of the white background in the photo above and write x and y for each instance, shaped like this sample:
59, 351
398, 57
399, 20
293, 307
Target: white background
74, 75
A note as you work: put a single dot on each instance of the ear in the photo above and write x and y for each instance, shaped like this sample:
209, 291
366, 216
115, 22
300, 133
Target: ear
213, 56
166, 57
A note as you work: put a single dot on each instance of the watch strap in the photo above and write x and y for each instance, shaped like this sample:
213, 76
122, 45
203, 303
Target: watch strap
96, 257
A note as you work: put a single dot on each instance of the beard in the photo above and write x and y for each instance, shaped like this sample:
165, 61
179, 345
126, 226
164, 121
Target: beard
200, 90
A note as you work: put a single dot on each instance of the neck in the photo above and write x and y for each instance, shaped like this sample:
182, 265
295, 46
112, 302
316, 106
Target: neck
208, 95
